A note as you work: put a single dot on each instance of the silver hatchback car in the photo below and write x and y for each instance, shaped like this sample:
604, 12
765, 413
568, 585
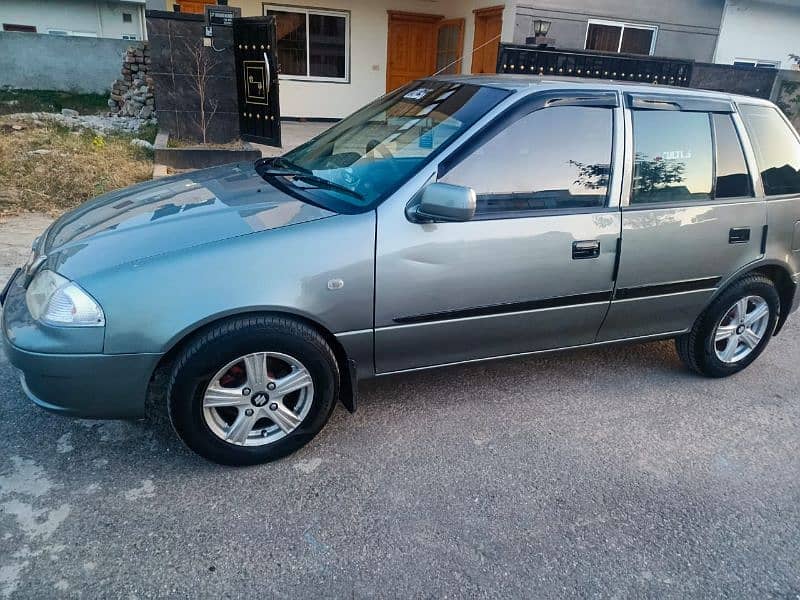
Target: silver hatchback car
454, 220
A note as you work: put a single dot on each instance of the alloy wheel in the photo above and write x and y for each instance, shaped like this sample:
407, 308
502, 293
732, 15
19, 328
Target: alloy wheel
741, 329
258, 398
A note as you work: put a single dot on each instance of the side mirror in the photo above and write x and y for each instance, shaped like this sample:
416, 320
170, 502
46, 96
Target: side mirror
446, 202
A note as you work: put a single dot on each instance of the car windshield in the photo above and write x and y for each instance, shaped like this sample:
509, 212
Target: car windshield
358, 162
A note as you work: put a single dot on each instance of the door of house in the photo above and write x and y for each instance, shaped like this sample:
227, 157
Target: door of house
257, 80
194, 6
412, 47
488, 25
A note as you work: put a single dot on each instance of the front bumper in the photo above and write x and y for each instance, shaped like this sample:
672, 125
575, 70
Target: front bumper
95, 386
80, 384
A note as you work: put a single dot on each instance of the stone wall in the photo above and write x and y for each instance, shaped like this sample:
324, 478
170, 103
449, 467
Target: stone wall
132, 93
176, 46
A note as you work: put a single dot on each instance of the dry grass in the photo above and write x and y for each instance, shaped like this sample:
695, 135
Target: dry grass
75, 167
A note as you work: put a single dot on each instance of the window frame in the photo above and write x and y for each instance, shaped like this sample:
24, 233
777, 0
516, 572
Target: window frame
325, 12
756, 63
608, 99
622, 25
703, 105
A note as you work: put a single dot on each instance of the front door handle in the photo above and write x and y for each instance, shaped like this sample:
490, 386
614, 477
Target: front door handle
585, 249
739, 235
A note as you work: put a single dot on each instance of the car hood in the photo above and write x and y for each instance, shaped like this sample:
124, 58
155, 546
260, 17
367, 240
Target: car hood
170, 214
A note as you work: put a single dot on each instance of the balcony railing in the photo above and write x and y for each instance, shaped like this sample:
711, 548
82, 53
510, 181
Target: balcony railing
530, 60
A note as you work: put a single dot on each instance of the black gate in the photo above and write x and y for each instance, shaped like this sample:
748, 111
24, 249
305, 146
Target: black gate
257, 80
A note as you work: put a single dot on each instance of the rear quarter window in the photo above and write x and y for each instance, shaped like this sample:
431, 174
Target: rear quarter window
776, 148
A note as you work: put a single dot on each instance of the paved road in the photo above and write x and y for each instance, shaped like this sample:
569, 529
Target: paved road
610, 472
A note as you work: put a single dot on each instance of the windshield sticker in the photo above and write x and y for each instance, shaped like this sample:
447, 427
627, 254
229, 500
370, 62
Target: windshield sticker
676, 155
417, 94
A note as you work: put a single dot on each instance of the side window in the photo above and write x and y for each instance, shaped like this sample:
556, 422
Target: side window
553, 158
776, 147
672, 156
733, 179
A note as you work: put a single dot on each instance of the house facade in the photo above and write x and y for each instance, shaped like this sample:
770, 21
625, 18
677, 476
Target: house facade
759, 33
83, 18
686, 29
336, 55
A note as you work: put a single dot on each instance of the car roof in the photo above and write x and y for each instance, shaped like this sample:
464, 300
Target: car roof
533, 83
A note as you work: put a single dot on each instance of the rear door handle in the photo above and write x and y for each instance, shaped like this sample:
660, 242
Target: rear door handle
585, 249
739, 235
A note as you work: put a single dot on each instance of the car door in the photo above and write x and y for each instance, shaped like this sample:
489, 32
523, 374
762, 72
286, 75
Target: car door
533, 270
690, 218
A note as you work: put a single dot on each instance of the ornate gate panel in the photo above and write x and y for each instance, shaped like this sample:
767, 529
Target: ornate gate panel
257, 80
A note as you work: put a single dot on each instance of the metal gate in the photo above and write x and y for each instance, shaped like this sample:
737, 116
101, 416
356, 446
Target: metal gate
257, 80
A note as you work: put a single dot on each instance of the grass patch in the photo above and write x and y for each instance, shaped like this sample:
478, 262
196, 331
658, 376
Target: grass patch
22, 101
180, 143
49, 168
148, 133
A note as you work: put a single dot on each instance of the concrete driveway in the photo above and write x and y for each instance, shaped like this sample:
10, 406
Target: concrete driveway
603, 473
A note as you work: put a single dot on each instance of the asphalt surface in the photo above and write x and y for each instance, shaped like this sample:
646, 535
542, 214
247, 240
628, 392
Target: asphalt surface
599, 473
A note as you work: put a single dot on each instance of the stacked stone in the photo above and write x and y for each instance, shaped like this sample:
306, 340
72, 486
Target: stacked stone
132, 93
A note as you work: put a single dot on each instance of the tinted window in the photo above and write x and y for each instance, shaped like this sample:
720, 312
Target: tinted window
326, 44
672, 156
550, 159
733, 179
310, 43
776, 147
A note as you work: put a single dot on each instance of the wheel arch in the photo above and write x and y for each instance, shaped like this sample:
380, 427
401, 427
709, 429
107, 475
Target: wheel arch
155, 405
780, 275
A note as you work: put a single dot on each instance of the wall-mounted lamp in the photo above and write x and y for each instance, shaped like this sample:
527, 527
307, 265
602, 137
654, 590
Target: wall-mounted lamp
540, 28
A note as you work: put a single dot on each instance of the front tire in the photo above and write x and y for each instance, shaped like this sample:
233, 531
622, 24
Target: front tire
734, 330
252, 389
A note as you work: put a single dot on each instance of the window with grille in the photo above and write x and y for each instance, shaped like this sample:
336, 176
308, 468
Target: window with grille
627, 38
312, 44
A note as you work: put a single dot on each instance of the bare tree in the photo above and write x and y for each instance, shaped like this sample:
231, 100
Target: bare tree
203, 64
789, 95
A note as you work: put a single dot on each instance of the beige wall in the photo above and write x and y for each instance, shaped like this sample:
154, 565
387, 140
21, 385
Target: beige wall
368, 35
91, 18
759, 31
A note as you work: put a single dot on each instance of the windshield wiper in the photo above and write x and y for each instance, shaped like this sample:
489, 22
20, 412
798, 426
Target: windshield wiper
320, 182
279, 166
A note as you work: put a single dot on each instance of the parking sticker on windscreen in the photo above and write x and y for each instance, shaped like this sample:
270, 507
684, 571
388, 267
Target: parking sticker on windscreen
417, 94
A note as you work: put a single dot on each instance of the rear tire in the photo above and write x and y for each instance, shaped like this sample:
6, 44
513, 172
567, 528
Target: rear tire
226, 397
734, 330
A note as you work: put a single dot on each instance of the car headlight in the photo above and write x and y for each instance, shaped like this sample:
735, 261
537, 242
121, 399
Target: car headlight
55, 300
